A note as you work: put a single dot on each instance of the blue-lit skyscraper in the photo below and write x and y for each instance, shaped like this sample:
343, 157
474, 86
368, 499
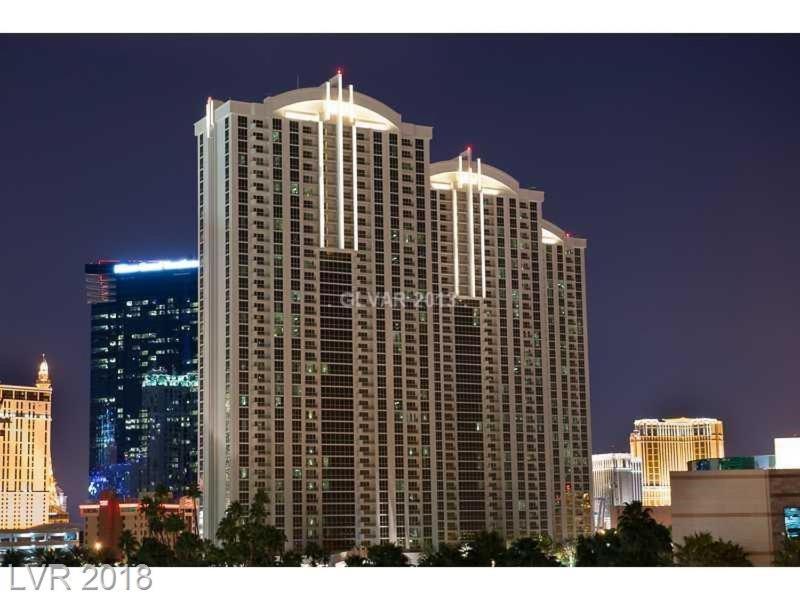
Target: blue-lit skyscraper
143, 321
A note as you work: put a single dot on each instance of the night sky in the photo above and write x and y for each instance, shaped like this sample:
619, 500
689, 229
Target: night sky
677, 157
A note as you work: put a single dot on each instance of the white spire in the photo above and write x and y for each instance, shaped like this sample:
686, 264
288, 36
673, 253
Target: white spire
44, 373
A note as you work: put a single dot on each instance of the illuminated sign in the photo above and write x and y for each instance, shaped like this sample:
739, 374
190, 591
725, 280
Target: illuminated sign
155, 265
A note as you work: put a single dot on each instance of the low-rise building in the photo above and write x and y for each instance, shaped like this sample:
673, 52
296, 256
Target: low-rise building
741, 499
105, 520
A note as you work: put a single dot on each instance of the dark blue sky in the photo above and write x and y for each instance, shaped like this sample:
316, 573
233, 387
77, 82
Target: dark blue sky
677, 157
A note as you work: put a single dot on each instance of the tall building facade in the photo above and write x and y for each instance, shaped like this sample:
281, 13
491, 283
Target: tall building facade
392, 349
143, 320
668, 445
617, 480
29, 496
170, 431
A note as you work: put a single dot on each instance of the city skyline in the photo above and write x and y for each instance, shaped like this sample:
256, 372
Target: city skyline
666, 325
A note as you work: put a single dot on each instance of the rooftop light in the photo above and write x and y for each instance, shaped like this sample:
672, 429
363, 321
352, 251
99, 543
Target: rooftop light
155, 265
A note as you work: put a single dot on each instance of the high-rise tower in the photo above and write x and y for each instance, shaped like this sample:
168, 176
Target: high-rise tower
143, 322
393, 349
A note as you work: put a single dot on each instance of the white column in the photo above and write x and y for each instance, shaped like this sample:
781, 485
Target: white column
340, 167
355, 170
483, 234
455, 238
321, 181
470, 235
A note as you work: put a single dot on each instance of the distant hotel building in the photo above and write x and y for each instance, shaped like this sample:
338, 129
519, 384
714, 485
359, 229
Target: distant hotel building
394, 349
143, 321
29, 496
668, 445
617, 481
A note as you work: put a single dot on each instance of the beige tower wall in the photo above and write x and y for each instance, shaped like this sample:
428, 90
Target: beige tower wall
734, 505
26, 482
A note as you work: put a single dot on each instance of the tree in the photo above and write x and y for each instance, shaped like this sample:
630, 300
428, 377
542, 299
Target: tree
485, 549
527, 552
247, 539
447, 555
193, 551
603, 549
645, 542
153, 552
291, 559
193, 492
151, 510
129, 546
386, 555
639, 541
380, 555
13, 558
84, 555
174, 525
315, 554
355, 560
702, 550
75, 556
43, 557
789, 554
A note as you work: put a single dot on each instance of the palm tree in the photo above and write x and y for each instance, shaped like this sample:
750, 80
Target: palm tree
129, 546
148, 507
645, 542
173, 526
193, 492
